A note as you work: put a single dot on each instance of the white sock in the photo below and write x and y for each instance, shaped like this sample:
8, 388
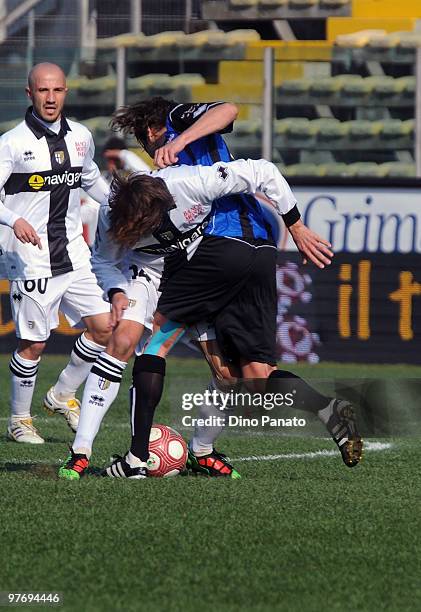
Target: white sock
134, 461
204, 436
325, 413
84, 354
101, 389
24, 375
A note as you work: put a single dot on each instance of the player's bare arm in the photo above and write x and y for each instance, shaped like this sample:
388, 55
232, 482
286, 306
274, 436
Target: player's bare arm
311, 245
214, 120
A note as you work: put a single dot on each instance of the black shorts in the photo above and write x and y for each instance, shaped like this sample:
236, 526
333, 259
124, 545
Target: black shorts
246, 327
232, 284
200, 288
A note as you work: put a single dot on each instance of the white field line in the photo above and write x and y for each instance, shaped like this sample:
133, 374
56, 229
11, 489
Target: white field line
368, 446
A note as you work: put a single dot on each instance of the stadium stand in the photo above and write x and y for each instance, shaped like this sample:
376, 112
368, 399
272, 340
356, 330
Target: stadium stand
347, 99
221, 10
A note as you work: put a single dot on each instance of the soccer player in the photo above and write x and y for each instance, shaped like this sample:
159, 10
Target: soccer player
43, 162
119, 157
204, 277
191, 134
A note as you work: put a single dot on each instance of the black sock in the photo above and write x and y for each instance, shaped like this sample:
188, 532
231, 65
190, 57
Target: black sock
305, 397
148, 383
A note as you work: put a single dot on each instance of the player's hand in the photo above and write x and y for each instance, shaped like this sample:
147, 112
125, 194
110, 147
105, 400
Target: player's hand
311, 245
26, 233
167, 155
119, 303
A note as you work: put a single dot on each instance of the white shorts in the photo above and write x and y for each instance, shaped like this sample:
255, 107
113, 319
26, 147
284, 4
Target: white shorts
36, 303
143, 298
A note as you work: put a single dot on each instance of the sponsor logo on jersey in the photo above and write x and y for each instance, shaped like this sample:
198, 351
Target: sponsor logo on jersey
194, 111
132, 303
166, 236
36, 181
59, 156
194, 211
28, 155
179, 244
81, 148
223, 172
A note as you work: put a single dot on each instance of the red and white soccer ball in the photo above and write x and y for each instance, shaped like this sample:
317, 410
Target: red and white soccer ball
167, 452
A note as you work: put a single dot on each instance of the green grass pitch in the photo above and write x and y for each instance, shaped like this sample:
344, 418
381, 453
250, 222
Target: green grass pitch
295, 533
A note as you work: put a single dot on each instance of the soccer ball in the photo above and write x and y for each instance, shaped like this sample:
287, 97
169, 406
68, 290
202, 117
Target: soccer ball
167, 452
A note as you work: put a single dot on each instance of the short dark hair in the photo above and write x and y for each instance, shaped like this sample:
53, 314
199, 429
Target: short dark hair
114, 142
136, 118
138, 204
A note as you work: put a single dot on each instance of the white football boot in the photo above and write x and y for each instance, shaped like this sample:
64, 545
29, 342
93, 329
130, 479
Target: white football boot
69, 409
22, 430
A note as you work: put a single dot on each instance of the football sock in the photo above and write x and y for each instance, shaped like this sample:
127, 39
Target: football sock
101, 389
134, 461
305, 397
148, 384
83, 355
24, 375
204, 435
325, 414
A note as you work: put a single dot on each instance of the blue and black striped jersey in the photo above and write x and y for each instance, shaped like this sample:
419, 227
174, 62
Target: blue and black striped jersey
237, 216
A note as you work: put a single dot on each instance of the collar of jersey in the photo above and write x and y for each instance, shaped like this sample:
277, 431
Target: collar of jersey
40, 130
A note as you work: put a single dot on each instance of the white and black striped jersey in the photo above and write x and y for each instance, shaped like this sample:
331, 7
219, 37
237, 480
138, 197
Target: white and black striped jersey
40, 176
194, 188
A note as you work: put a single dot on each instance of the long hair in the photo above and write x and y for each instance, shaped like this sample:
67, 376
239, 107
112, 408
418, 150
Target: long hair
136, 119
138, 204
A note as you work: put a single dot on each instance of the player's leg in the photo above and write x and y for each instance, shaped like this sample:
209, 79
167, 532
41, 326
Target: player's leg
34, 306
246, 330
101, 389
336, 414
147, 386
196, 290
148, 382
81, 300
83, 355
103, 382
24, 368
203, 458
60, 398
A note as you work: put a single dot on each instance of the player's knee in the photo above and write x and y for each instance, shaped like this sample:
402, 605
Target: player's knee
100, 331
121, 346
101, 336
98, 328
30, 350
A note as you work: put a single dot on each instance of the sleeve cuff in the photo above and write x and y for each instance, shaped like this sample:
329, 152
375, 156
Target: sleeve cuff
292, 216
8, 217
113, 291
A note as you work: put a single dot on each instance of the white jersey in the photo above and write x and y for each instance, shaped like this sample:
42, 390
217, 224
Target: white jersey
194, 188
115, 266
40, 176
